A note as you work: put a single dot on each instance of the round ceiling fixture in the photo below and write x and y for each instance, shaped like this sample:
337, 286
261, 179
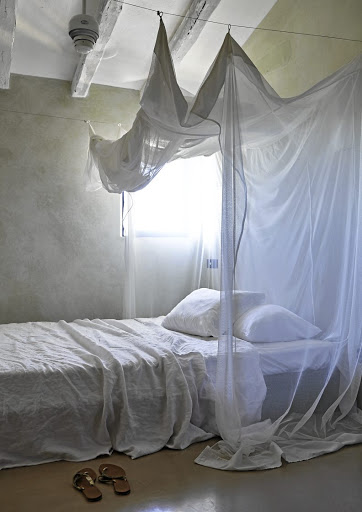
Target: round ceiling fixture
84, 31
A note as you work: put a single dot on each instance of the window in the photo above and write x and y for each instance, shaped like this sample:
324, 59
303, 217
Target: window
183, 200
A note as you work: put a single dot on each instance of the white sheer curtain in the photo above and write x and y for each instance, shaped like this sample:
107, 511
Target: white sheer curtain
291, 226
172, 242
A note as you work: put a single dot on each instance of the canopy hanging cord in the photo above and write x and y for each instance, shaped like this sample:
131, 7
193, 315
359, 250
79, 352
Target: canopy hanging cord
91, 129
161, 13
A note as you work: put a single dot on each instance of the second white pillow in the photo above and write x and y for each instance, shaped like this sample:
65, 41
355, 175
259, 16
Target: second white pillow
269, 322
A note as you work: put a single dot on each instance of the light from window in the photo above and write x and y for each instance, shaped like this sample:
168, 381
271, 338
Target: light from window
183, 200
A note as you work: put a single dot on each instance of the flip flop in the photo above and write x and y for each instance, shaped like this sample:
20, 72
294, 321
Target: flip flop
83, 481
116, 475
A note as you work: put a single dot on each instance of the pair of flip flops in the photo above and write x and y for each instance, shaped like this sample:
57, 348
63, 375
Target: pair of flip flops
84, 481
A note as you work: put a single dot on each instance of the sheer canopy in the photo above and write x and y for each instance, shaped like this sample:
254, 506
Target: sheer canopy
291, 228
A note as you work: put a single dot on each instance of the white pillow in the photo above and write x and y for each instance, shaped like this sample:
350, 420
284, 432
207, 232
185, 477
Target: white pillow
269, 322
198, 313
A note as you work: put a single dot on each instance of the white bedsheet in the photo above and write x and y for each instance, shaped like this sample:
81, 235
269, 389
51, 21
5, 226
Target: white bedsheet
76, 390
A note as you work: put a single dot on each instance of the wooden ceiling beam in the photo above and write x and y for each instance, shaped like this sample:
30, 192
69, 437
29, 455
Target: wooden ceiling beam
108, 14
7, 36
190, 29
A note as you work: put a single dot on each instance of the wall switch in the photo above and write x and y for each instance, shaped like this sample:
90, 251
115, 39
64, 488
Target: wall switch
212, 263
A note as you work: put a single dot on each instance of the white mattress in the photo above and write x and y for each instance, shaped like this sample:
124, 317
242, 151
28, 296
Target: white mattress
294, 356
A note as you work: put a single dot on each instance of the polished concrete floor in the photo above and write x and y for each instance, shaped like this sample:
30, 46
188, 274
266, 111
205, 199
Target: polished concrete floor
169, 481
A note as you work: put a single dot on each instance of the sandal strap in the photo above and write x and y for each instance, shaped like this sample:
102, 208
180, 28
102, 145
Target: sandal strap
105, 479
78, 476
108, 479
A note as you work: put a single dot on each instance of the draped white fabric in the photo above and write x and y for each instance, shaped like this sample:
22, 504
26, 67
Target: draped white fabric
291, 228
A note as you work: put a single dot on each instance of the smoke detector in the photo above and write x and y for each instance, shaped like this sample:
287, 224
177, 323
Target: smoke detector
84, 31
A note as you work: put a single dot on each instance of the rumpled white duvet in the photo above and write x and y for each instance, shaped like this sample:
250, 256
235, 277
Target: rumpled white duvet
77, 390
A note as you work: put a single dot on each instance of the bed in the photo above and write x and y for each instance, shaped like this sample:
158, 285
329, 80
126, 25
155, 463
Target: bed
73, 391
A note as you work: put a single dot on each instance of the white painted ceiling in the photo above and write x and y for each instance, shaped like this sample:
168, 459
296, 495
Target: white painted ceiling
43, 47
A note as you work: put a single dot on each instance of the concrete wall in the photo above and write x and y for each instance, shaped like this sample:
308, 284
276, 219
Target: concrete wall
61, 253
294, 63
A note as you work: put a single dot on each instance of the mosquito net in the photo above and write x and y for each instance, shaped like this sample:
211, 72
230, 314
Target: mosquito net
291, 228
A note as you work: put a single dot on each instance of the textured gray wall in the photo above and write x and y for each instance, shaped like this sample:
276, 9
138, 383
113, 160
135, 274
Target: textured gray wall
61, 253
